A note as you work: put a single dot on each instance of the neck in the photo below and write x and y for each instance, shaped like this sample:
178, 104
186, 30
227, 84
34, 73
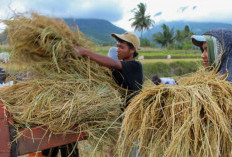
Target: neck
128, 59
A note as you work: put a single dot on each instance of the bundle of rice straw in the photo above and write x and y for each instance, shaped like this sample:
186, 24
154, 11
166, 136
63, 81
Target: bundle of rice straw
65, 93
35, 38
189, 119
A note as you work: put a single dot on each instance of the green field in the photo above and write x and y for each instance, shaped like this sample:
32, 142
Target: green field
4, 48
182, 61
158, 53
155, 63
170, 69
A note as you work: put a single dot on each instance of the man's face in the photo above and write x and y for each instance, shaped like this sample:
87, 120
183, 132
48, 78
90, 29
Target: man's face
124, 52
204, 55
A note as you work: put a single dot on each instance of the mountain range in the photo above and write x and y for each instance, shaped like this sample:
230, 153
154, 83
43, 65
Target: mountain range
99, 31
196, 27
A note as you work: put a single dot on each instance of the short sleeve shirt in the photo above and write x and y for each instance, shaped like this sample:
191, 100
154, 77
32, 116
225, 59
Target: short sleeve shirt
168, 81
130, 77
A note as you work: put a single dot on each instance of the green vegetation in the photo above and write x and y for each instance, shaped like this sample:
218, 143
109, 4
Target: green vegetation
163, 69
144, 42
172, 69
97, 30
179, 40
4, 48
163, 55
141, 21
196, 27
156, 53
165, 38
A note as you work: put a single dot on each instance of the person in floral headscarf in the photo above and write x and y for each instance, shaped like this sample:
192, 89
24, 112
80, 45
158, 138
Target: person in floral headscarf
216, 47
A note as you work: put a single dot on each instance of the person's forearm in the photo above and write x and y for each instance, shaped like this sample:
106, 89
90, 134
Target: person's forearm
103, 60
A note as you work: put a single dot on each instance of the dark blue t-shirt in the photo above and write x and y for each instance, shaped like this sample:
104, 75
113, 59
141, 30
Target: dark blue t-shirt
130, 77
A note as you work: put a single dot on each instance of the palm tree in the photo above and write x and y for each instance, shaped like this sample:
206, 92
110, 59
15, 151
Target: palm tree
178, 36
186, 32
164, 38
141, 21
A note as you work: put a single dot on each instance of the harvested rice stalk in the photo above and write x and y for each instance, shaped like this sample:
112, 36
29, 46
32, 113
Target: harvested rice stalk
38, 38
191, 119
61, 103
82, 93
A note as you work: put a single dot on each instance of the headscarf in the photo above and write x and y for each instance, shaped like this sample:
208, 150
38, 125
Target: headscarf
219, 47
224, 37
214, 50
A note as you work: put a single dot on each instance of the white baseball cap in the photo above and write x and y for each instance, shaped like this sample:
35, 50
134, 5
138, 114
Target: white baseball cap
198, 40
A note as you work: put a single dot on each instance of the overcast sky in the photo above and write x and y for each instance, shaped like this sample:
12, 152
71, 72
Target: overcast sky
119, 11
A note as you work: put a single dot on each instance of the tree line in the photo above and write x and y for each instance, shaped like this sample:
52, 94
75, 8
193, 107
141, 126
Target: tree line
167, 38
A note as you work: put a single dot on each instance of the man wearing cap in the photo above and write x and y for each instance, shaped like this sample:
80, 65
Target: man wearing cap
126, 70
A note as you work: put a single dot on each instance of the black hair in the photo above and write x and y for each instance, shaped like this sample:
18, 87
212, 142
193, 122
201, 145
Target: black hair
155, 79
202, 50
135, 54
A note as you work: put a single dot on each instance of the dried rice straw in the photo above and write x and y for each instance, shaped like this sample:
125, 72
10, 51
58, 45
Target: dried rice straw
190, 119
36, 38
63, 90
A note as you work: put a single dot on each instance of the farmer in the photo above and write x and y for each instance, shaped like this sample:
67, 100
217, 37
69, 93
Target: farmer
127, 72
216, 47
164, 80
156, 80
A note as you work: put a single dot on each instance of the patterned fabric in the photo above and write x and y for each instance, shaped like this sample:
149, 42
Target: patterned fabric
214, 49
224, 37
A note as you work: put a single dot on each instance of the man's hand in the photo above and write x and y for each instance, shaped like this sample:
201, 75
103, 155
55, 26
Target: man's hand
81, 52
100, 59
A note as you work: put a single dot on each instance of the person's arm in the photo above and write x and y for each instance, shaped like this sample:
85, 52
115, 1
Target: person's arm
100, 59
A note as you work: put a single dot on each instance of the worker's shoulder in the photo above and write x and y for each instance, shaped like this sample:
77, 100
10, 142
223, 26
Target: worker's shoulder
133, 63
165, 80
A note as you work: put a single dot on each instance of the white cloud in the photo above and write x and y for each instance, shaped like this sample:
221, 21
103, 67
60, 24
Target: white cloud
17, 6
87, 5
101, 9
204, 11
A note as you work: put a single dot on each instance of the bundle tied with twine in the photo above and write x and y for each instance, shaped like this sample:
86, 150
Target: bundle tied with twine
64, 92
192, 118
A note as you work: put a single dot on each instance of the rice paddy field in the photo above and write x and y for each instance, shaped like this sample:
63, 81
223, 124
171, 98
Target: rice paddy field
156, 65
160, 53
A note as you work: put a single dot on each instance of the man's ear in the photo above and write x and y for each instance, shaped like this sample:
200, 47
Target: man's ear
132, 50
